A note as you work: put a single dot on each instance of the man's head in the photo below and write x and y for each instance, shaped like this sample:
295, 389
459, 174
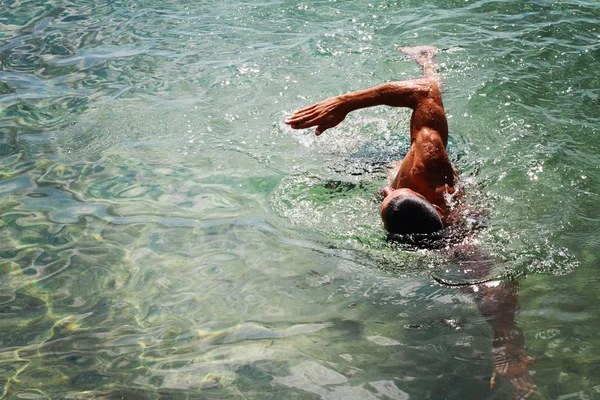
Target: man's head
405, 212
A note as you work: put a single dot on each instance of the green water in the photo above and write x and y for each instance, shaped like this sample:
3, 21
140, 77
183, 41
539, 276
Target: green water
165, 235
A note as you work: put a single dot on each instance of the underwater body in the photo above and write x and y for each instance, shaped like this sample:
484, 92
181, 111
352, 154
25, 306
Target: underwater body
166, 235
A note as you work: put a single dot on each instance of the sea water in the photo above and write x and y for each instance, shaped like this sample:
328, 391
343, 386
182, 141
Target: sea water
166, 235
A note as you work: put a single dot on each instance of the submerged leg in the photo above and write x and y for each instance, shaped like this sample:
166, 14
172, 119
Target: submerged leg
425, 57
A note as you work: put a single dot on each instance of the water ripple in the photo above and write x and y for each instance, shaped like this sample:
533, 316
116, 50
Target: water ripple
164, 234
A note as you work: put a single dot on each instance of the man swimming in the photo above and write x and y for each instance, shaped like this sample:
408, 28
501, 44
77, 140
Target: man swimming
416, 202
420, 196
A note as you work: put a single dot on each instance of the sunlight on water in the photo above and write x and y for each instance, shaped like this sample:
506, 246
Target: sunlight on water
166, 235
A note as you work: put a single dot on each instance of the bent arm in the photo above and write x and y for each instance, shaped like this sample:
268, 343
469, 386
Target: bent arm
330, 112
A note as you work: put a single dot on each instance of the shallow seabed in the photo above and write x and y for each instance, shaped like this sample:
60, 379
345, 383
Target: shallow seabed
165, 235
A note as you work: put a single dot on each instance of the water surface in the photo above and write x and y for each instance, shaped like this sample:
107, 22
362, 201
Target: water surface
165, 235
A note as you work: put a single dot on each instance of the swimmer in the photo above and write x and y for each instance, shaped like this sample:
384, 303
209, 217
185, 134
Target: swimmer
419, 196
416, 201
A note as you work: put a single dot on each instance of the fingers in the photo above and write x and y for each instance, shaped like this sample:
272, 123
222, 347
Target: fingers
301, 115
301, 121
324, 115
306, 109
306, 123
316, 118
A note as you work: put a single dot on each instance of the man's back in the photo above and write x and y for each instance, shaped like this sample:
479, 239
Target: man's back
427, 169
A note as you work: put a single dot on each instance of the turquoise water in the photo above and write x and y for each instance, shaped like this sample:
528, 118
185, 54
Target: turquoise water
165, 235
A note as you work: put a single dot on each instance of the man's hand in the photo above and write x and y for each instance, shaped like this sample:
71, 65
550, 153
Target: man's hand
512, 362
324, 115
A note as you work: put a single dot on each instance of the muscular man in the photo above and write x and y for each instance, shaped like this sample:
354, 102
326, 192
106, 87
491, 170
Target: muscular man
416, 202
418, 198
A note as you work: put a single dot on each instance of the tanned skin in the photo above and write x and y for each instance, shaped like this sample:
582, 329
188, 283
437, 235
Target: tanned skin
427, 172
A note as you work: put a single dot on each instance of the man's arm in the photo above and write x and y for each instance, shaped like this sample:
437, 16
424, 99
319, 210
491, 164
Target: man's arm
330, 112
499, 305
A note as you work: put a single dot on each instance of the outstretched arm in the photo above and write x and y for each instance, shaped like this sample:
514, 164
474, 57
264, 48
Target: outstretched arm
330, 112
